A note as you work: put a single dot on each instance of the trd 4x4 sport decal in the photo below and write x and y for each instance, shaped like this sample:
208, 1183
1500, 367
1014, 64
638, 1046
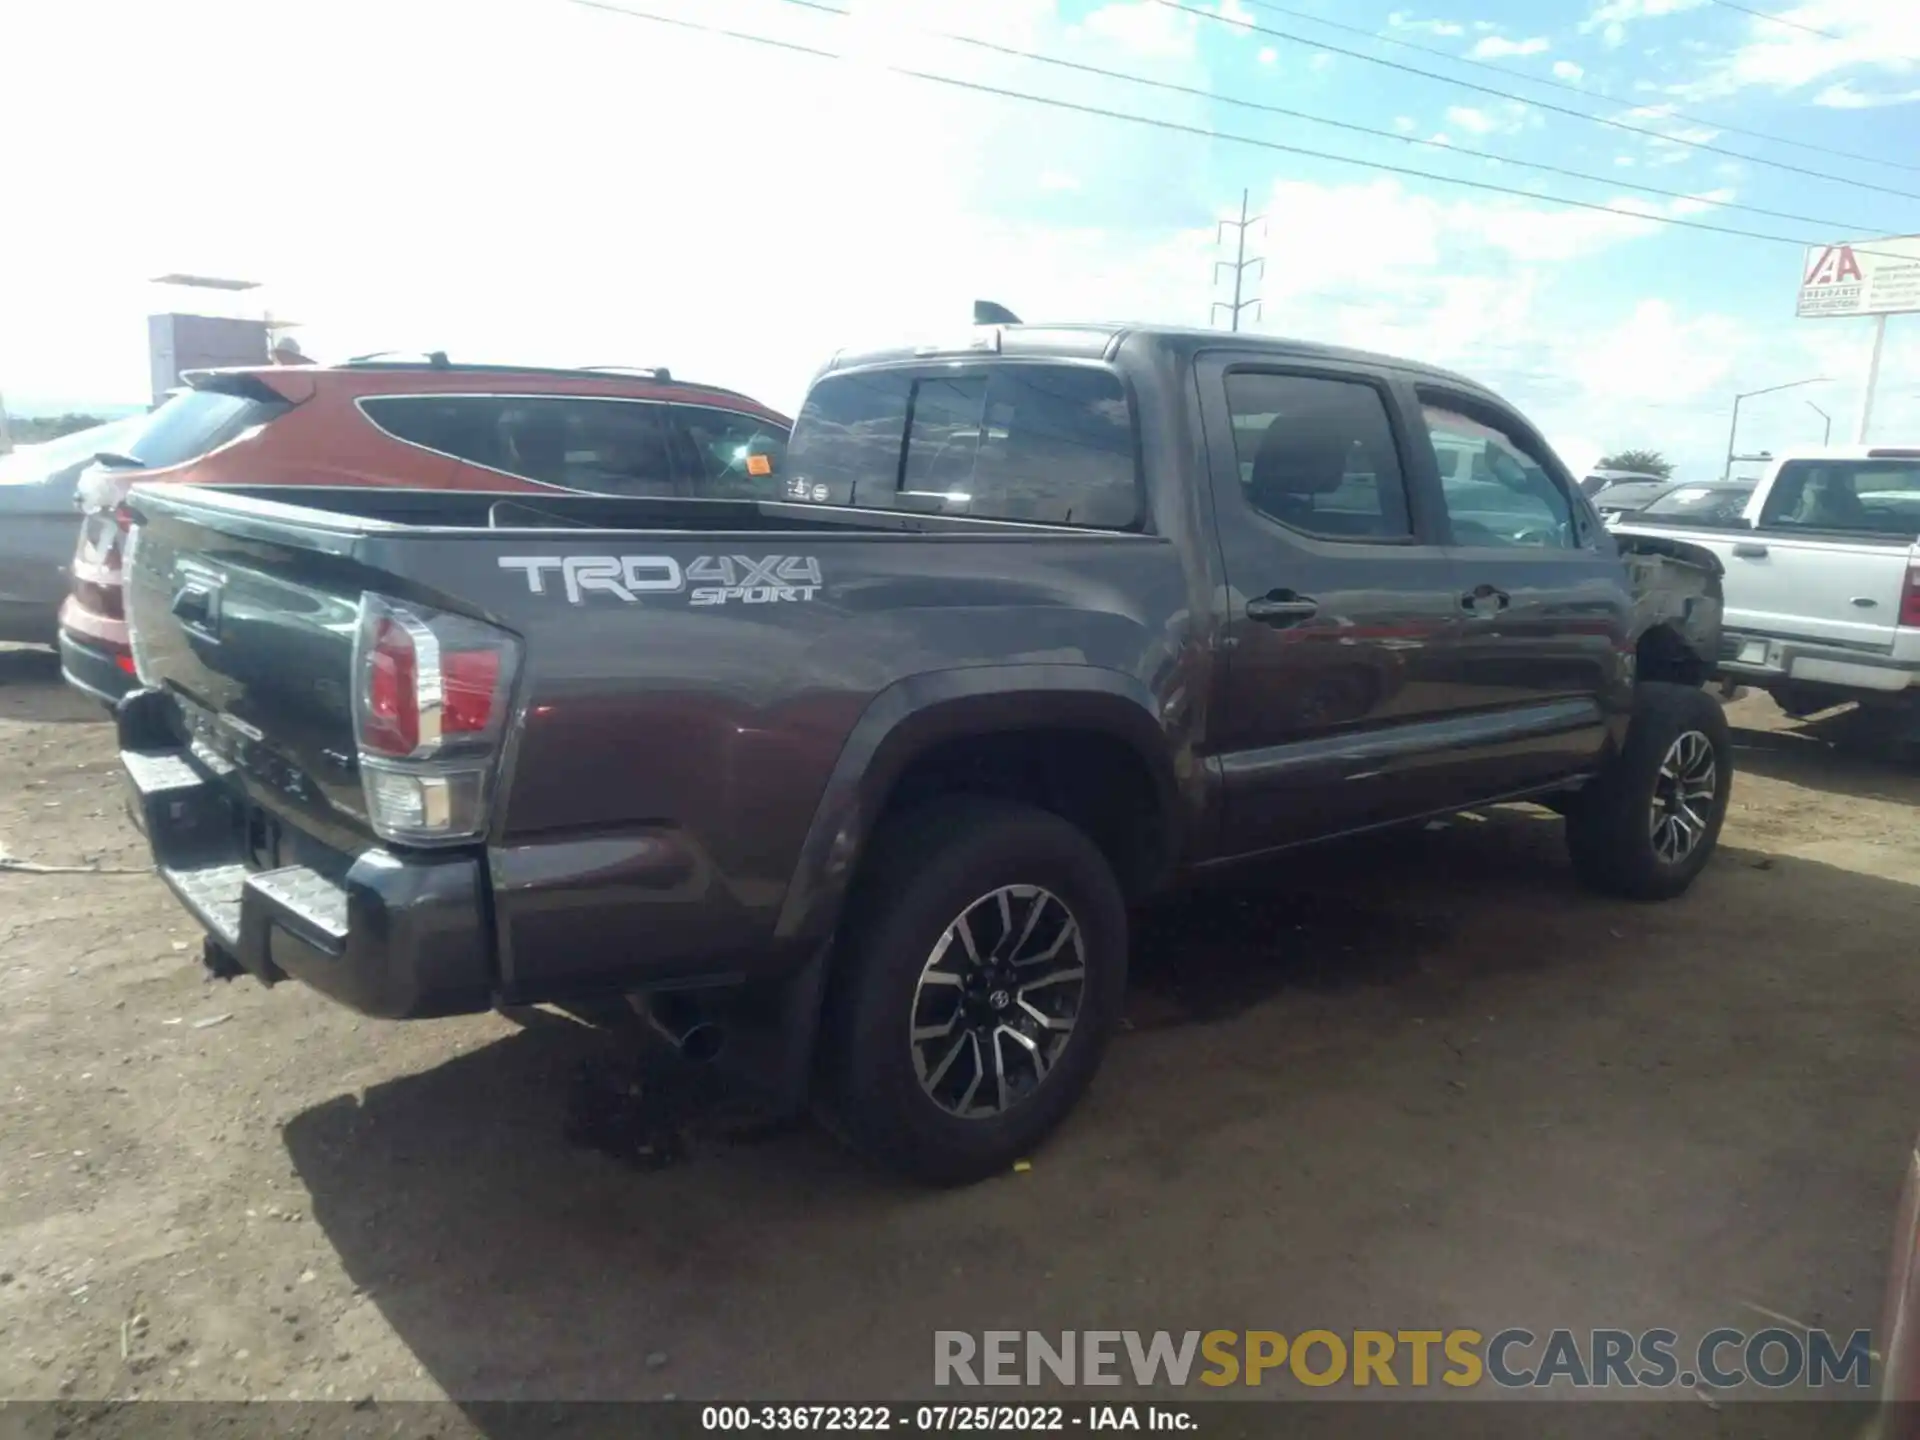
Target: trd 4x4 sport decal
706, 579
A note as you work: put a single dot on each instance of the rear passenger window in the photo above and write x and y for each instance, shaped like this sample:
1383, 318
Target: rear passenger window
727, 455
1317, 455
1016, 441
608, 447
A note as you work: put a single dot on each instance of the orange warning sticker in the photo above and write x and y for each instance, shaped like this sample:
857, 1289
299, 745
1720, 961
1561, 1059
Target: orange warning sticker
759, 464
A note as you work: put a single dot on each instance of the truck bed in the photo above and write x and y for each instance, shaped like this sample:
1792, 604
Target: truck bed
690, 672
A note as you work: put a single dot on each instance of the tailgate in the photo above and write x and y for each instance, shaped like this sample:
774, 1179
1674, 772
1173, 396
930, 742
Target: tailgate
254, 640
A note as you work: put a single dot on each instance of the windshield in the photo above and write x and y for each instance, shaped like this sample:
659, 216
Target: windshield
194, 422
1702, 504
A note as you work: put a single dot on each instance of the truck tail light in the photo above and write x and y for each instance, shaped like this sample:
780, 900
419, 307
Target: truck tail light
1910, 598
430, 713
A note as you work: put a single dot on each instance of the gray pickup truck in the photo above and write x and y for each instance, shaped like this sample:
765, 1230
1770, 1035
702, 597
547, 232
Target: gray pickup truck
868, 772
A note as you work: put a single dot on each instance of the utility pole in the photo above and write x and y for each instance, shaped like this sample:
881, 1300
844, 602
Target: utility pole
1239, 265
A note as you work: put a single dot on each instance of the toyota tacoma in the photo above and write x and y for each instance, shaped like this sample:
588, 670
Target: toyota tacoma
869, 773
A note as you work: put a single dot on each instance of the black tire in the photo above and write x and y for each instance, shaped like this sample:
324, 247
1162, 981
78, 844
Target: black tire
928, 869
1611, 825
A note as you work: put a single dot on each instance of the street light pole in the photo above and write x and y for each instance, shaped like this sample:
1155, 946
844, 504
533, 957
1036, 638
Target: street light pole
1826, 435
1734, 428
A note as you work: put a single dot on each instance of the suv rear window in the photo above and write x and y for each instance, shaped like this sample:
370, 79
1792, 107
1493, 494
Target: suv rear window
196, 421
1871, 497
1012, 441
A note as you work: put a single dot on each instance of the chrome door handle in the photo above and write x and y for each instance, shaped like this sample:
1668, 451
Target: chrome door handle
1281, 607
1745, 551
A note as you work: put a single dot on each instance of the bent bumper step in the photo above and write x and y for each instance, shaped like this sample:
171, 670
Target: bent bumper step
392, 934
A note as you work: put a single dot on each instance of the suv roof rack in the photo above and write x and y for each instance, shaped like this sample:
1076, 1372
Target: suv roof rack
437, 360
652, 372
384, 359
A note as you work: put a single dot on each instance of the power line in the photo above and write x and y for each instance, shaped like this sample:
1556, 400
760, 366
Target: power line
1778, 19
1588, 91
1542, 104
1239, 265
1205, 133
1612, 182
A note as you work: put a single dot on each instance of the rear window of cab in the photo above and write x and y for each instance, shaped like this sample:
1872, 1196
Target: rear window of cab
1027, 441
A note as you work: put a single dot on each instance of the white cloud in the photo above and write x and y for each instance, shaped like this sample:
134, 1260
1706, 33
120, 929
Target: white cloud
1475, 122
1321, 60
1567, 70
1058, 181
1268, 55
1498, 47
1504, 118
1405, 124
1843, 96
1401, 20
1857, 38
1143, 28
1235, 13
1612, 17
1653, 354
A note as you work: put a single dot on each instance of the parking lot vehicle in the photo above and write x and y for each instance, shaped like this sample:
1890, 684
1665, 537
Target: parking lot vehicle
1822, 580
869, 777
37, 525
430, 424
1624, 497
1715, 503
1596, 481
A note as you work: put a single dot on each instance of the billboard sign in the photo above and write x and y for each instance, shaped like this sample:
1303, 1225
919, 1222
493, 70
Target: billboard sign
1866, 277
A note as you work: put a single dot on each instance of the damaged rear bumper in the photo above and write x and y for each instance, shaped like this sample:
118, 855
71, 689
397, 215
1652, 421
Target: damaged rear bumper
400, 936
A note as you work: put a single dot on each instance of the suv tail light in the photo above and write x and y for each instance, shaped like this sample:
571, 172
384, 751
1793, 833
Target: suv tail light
1910, 598
430, 712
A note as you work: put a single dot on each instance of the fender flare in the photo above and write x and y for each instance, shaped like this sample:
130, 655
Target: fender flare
912, 716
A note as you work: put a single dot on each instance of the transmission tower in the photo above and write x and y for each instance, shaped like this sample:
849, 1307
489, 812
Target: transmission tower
1239, 265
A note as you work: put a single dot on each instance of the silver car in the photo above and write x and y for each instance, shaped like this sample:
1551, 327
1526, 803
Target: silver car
38, 523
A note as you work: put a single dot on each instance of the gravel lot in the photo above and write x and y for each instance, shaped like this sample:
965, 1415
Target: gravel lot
1424, 1081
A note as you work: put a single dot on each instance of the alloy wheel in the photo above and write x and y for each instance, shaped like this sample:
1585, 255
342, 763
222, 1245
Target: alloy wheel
997, 1000
1683, 795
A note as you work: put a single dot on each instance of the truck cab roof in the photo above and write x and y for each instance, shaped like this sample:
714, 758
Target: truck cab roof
1845, 452
1103, 341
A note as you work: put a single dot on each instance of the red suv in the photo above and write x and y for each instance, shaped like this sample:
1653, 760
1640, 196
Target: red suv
425, 425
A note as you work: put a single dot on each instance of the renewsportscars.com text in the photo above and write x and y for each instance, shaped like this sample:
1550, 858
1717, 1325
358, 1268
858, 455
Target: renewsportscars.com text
1513, 1358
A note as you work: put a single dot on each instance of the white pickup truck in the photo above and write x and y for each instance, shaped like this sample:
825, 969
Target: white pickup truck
1823, 580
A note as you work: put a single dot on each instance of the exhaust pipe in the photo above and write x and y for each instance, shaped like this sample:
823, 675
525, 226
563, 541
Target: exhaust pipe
682, 1024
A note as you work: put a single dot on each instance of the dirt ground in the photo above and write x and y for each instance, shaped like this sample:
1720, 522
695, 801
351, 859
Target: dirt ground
1421, 1082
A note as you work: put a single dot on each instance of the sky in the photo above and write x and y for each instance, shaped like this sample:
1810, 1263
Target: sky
549, 182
